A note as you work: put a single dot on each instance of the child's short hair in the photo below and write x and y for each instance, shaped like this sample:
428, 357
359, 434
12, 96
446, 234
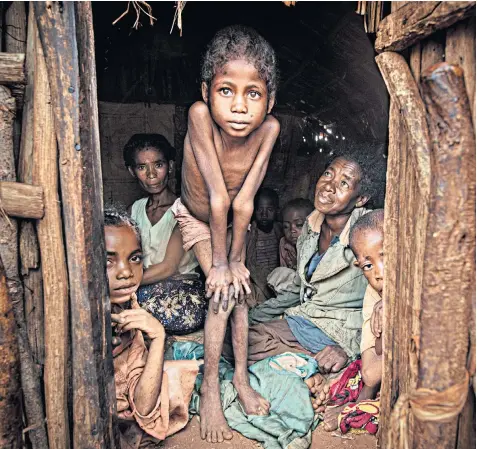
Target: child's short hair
267, 193
115, 214
299, 203
372, 163
139, 142
373, 220
241, 42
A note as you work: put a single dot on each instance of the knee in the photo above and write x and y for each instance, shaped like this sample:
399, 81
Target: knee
371, 376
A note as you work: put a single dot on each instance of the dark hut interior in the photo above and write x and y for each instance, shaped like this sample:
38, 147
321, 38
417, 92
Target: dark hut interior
330, 87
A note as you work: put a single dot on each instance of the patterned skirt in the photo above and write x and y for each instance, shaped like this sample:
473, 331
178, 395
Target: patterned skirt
179, 304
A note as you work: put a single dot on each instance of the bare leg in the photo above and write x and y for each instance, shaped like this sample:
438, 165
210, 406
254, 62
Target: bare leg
252, 402
213, 425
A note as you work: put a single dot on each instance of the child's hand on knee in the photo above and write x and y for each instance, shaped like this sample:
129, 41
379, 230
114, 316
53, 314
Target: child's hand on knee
377, 319
217, 285
240, 281
141, 320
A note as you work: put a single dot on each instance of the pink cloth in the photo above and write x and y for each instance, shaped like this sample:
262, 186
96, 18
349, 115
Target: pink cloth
171, 412
192, 230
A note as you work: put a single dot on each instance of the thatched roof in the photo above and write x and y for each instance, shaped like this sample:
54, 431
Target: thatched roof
325, 57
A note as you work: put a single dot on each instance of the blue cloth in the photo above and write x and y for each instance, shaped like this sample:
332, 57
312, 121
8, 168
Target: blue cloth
291, 418
316, 259
308, 335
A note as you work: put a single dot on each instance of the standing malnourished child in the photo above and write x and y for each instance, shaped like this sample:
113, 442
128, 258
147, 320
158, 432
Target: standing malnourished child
294, 216
366, 241
227, 148
152, 395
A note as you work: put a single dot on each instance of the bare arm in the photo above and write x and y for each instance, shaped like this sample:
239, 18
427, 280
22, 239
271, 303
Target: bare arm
243, 205
243, 202
371, 368
170, 264
148, 387
200, 131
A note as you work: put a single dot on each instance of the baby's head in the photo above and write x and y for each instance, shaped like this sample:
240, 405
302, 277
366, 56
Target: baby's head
366, 240
355, 177
294, 216
266, 208
148, 157
124, 254
239, 79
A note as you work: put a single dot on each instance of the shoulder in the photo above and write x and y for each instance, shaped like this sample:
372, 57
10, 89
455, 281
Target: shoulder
271, 125
136, 207
199, 110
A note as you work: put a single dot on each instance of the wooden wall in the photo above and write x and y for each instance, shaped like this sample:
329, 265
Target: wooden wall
415, 286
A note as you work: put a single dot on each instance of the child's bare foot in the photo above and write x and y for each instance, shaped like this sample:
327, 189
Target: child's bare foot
319, 386
252, 402
330, 420
213, 426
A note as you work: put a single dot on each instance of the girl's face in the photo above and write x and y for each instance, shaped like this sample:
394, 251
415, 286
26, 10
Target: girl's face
293, 221
124, 263
338, 189
151, 169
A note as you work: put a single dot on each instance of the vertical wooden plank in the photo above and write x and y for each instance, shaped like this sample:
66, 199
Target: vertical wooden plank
389, 385
29, 250
79, 154
415, 61
450, 250
10, 390
94, 233
432, 51
460, 50
50, 235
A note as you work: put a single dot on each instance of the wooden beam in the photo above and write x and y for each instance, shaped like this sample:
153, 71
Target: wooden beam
30, 376
52, 249
12, 70
416, 21
10, 389
450, 252
93, 376
16, 30
402, 87
21, 200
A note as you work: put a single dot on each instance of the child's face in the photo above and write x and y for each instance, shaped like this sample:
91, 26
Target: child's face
124, 264
337, 190
370, 257
238, 98
265, 214
151, 170
293, 221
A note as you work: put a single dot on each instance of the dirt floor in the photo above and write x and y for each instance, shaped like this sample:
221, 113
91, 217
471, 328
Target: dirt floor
189, 438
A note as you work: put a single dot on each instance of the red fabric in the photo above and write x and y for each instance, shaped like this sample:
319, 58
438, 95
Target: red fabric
364, 415
348, 387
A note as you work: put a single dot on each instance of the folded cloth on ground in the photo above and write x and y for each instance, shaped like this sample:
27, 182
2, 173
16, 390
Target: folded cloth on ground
361, 417
348, 387
279, 379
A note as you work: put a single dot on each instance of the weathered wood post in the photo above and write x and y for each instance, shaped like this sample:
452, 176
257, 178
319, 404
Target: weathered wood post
9, 253
67, 41
10, 390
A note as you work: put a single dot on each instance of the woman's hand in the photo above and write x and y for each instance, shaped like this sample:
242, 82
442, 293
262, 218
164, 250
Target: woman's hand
141, 320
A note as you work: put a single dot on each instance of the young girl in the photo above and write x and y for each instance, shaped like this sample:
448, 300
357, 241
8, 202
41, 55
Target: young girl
151, 394
171, 288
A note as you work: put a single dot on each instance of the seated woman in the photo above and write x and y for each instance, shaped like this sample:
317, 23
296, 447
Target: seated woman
171, 289
151, 394
328, 287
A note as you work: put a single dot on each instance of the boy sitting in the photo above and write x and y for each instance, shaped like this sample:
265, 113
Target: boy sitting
294, 216
263, 243
228, 144
366, 241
